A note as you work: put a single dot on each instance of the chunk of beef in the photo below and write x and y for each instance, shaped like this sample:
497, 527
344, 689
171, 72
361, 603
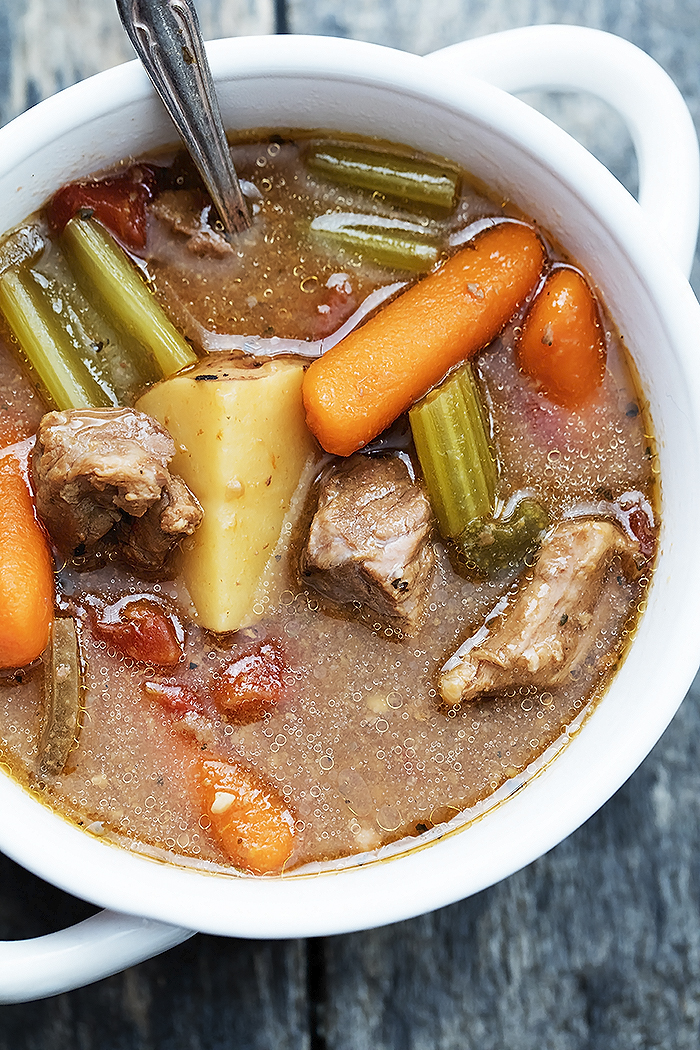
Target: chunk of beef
146, 541
369, 540
188, 212
551, 625
102, 480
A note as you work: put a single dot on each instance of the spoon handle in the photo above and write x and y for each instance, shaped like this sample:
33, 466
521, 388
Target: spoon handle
168, 40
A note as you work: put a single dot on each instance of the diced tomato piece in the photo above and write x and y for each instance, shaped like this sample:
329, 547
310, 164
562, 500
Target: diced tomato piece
141, 628
252, 685
336, 303
118, 202
174, 696
644, 531
250, 819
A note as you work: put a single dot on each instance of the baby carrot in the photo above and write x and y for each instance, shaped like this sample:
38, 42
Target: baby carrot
369, 378
26, 572
252, 822
562, 345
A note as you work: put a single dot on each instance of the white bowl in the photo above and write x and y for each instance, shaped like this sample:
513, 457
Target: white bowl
635, 256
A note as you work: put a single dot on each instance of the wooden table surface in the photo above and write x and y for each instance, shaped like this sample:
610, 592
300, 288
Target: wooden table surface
596, 946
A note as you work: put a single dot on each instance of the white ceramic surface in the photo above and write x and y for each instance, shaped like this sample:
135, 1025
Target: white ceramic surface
636, 257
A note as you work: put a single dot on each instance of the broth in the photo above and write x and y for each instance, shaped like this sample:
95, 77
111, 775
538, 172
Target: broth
359, 748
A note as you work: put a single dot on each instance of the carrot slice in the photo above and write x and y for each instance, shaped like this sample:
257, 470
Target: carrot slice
252, 685
368, 379
26, 572
251, 821
562, 345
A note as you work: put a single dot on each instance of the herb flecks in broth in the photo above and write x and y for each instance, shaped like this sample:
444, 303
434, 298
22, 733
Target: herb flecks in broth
336, 657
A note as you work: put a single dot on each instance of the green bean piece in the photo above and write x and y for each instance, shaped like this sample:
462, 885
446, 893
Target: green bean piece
491, 548
406, 179
392, 243
107, 273
456, 456
47, 346
62, 688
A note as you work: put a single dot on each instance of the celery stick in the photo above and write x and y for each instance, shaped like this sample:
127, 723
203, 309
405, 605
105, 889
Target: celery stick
503, 544
404, 178
456, 457
47, 346
23, 245
105, 271
393, 243
119, 360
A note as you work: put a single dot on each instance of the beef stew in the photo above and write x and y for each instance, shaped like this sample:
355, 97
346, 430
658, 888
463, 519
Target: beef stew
295, 681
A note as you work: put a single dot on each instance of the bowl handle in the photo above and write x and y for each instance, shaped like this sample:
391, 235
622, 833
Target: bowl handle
95, 948
566, 57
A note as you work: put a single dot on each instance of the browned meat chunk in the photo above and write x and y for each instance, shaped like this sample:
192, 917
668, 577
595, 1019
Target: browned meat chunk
550, 626
102, 480
188, 212
369, 540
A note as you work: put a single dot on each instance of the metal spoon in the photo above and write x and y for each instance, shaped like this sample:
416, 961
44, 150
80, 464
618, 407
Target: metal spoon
168, 40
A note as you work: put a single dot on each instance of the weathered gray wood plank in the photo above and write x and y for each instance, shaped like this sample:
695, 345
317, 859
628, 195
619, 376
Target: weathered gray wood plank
45, 45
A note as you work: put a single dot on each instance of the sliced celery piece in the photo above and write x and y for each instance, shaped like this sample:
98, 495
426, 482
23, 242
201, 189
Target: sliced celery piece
105, 270
393, 243
455, 453
120, 362
503, 544
22, 245
404, 178
47, 346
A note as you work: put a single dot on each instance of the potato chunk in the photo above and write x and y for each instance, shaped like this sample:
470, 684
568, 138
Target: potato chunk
242, 446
